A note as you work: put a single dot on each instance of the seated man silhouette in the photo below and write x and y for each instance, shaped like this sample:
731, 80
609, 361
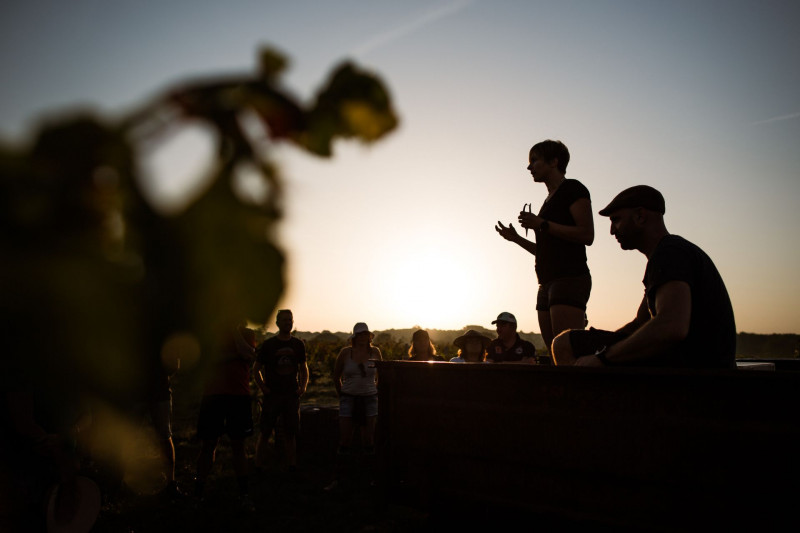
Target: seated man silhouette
685, 319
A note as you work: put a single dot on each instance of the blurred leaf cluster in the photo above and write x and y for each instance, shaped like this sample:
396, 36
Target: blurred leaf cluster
95, 280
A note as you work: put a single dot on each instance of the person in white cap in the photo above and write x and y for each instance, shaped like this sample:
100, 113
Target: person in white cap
685, 319
355, 377
563, 229
509, 347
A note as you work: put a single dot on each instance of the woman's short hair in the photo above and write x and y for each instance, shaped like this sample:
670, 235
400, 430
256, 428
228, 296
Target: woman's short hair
549, 150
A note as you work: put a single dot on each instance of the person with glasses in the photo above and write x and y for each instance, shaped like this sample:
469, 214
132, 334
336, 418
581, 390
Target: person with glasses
563, 229
355, 377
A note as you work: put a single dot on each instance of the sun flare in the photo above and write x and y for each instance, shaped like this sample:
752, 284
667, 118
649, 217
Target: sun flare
431, 292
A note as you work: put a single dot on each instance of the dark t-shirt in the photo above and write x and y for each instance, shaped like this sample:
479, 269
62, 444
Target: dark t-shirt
557, 258
711, 342
231, 375
520, 349
281, 361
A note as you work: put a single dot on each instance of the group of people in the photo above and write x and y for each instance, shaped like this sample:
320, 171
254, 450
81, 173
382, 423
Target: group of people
475, 347
279, 369
685, 318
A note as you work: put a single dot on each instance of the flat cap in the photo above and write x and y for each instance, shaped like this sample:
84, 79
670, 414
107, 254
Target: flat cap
636, 196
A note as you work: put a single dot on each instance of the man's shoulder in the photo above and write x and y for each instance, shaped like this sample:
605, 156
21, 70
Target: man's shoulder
672, 242
269, 343
674, 248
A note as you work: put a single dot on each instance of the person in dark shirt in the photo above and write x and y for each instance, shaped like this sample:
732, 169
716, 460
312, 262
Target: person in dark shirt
563, 229
509, 347
685, 319
281, 372
226, 409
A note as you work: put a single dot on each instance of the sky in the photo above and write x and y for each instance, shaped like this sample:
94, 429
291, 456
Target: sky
699, 99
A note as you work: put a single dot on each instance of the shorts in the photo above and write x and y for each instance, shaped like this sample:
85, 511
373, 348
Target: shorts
286, 407
588, 342
347, 405
573, 291
225, 414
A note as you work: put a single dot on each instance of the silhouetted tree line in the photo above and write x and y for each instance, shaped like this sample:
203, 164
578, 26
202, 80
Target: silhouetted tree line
323, 347
767, 346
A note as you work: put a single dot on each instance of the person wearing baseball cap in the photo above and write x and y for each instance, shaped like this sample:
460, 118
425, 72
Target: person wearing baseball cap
685, 319
509, 347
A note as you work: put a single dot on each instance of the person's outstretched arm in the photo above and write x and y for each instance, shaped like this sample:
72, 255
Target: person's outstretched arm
510, 234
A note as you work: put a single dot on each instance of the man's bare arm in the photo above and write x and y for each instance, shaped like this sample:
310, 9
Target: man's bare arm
302, 374
259, 378
642, 316
668, 326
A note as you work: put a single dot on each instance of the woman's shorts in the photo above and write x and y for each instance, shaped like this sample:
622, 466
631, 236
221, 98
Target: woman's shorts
225, 413
347, 404
572, 291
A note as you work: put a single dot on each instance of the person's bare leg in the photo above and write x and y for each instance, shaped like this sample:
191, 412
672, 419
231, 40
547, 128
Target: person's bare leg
290, 446
546, 329
205, 461
262, 449
562, 350
168, 453
345, 432
368, 432
239, 457
564, 317
343, 454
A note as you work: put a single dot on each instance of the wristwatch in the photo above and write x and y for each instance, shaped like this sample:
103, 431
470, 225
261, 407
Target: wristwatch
544, 226
601, 354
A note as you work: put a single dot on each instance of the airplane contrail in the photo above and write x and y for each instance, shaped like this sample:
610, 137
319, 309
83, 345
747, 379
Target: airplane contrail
392, 35
777, 119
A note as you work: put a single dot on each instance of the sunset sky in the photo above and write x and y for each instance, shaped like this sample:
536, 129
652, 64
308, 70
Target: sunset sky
700, 99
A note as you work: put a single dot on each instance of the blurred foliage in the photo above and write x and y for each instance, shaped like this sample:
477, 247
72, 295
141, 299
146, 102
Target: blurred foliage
95, 280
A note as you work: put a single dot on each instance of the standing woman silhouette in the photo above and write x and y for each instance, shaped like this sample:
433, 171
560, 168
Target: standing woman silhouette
563, 229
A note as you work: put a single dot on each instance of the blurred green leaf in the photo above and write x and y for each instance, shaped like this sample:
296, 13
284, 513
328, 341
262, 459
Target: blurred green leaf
271, 63
95, 280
